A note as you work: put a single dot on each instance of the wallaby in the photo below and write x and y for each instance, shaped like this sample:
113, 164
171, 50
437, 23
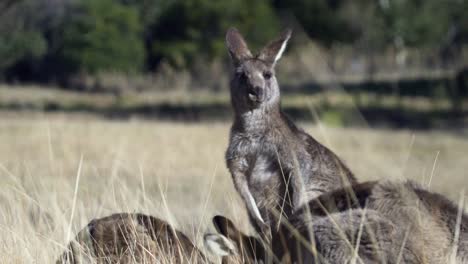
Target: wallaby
273, 163
334, 241
130, 238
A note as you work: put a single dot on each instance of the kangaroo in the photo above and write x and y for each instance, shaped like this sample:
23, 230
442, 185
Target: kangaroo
130, 238
334, 239
401, 223
432, 229
273, 163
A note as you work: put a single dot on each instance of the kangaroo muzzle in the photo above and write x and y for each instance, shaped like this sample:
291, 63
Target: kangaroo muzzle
256, 94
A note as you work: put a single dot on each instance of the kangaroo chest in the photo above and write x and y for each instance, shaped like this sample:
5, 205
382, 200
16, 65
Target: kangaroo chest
269, 180
265, 168
266, 157
262, 160
272, 165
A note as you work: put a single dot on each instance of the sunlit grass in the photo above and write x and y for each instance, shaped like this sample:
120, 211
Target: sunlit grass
174, 171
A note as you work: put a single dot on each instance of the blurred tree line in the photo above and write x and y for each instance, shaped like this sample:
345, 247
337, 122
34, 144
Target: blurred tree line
51, 40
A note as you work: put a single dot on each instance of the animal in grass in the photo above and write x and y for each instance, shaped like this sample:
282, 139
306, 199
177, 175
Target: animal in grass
390, 222
273, 163
334, 241
431, 228
130, 238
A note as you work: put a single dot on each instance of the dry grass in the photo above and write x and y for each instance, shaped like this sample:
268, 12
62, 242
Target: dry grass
171, 170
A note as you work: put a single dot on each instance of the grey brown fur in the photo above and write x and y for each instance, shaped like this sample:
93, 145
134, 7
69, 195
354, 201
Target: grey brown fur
403, 223
273, 163
426, 222
130, 238
335, 239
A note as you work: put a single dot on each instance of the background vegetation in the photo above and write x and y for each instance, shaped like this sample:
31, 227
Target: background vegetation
71, 43
381, 53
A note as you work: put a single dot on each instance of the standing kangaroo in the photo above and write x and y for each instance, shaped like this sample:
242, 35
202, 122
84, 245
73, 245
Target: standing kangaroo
274, 164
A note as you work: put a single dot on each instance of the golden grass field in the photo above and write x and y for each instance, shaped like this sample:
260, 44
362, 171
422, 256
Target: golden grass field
57, 172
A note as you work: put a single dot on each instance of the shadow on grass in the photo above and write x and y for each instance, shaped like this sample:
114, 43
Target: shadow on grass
407, 87
340, 116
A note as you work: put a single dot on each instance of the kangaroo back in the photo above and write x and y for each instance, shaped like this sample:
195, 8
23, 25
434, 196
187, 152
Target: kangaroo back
453, 217
129, 238
430, 228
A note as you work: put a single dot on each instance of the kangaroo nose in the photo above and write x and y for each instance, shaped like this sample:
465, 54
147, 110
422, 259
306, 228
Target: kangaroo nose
258, 91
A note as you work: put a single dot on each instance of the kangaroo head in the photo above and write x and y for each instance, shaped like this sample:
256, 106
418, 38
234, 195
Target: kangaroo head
254, 84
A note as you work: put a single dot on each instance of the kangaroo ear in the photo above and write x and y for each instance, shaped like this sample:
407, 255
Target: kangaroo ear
272, 52
237, 46
248, 246
226, 227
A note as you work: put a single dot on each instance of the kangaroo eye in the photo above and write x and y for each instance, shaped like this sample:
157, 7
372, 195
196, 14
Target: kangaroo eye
267, 75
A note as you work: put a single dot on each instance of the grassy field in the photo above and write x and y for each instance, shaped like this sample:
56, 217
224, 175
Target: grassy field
57, 172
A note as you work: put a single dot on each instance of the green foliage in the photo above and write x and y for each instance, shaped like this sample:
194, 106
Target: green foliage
413, 21
19, 38
17, 46
195, 28
102, 35
419, 23
323, 20
74, 36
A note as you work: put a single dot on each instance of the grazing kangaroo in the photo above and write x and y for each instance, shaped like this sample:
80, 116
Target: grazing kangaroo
273, 163
431, 229
403, 223
130, 238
